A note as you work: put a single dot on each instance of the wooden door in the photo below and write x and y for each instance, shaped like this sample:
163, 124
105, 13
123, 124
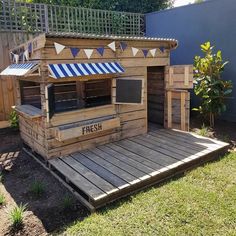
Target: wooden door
177, 109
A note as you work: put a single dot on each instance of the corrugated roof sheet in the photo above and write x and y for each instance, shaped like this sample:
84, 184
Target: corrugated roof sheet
111, 37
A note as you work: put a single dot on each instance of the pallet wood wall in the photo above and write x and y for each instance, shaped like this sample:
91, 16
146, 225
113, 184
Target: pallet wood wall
133, 118
7, 84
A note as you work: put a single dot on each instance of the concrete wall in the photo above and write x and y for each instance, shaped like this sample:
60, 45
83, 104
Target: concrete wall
192, 25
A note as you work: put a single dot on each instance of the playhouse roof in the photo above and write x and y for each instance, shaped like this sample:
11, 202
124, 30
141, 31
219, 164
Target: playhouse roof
172, 41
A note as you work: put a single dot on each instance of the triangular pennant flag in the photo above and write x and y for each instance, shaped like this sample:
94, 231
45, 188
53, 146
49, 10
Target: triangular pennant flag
59, 47
134, 51
145, 52
100, 50
153, 51
26, 55
30, 49
112, 46
123, 45
74, 51
16, 58
162, 49
88, 52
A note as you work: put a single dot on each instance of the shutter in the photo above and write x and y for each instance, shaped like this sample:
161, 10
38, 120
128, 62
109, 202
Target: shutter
179, 77
177, 109
50, 101
128, 90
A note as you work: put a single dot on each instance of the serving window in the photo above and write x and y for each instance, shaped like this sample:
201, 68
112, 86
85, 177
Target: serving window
79, 95
30, 93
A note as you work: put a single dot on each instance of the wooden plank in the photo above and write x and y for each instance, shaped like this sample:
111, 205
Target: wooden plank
182, 111
78, 180
101, 171
149, 153
89, 175
106, 154
171, 154
83, 130
112, 168
169, 109
121, 149
4, 124
123, 158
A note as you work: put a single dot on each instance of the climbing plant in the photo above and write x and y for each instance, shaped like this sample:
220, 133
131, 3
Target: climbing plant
209, 85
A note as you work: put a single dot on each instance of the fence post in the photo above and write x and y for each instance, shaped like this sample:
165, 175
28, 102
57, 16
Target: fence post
46, 23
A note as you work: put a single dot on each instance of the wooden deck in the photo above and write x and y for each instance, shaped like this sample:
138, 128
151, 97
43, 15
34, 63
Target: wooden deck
108, 172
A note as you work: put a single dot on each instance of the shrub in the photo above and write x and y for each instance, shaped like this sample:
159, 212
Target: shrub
17, 215
209, 86
204, 131
2, 199
37, 188
14, 119
67, 202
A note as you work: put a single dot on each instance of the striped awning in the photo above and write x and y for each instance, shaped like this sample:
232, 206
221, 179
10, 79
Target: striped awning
20, 69
83, 69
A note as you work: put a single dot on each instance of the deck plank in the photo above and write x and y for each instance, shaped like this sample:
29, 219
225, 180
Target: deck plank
121, 149
148, 153
123, 163
131, 179
101, 171
77, 179
133, 162
147, 142
90, 175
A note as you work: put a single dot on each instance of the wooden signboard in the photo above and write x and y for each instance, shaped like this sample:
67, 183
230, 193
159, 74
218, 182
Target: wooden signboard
62, 134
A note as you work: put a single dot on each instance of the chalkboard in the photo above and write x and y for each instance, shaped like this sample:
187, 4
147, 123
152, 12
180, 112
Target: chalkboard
128, 91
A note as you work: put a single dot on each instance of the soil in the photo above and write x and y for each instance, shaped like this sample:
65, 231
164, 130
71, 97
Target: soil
45, 214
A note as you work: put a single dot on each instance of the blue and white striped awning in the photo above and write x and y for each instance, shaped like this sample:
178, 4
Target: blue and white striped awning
83, 69
20, 69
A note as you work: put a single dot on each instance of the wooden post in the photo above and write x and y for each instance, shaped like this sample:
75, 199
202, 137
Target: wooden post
171, 76
169, 109
186, 75
182, 111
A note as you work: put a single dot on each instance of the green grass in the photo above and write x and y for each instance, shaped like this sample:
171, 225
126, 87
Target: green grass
67, 202
203, 202
2, 199
17, 215
37, 188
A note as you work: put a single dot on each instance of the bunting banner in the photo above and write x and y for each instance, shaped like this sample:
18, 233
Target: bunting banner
58, 47
88, 52
162, 49
30, 49
153, 51
74, 51
123, 45
134, 51
26, 55
100, 50
112, 46
16, 58
145, 52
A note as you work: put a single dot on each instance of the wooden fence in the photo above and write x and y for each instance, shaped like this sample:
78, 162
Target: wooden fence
31, 17
7, 92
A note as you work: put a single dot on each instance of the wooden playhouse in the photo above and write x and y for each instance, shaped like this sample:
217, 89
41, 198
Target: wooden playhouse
76, 91
93, 107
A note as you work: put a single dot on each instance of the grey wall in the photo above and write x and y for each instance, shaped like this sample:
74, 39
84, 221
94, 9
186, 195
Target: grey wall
192, 25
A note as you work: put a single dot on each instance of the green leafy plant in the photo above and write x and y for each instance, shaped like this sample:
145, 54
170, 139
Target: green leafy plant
209, 86
14, 119
67, 202
37, 188
17, 215
204, 131
2, 199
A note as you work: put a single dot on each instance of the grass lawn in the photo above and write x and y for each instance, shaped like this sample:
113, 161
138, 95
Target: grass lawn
203, 202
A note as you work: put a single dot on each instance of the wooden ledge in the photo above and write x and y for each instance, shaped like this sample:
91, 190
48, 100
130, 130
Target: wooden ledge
29, 111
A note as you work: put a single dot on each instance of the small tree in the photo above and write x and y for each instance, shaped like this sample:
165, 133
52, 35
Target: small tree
208, 83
